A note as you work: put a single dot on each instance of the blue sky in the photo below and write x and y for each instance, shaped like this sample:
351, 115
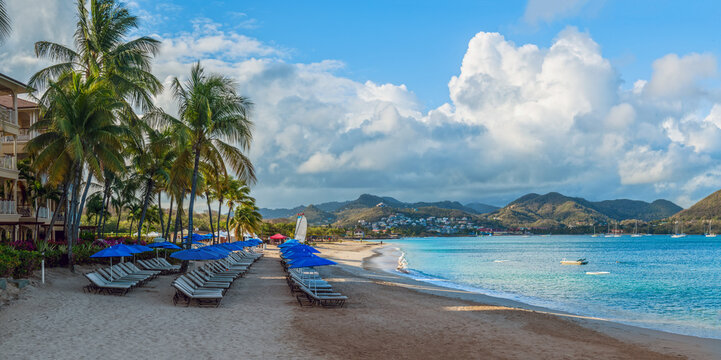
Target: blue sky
457, 100
419, 43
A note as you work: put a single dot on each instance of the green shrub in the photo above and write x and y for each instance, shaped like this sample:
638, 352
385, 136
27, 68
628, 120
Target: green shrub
9, 260
29, 262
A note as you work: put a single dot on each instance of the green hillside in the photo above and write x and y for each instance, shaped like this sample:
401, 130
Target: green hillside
709, 208
554, 209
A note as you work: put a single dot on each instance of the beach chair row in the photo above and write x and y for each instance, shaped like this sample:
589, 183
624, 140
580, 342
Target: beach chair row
310, 289
159, 264
208, 284
118, 279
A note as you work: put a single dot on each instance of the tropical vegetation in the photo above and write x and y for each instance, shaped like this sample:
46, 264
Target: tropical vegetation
110, 159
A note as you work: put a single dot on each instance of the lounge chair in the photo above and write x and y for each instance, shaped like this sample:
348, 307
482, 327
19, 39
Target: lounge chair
203, 297
98, 285
322, 299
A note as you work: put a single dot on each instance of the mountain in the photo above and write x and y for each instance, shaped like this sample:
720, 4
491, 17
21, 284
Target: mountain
280, 213
707, 209
316, 216
322, 213
553, 209
350, 217
481, 208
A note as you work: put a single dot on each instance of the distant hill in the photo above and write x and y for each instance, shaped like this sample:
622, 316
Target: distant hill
481, 208
709, 208
553, 209
329, 212
350, 217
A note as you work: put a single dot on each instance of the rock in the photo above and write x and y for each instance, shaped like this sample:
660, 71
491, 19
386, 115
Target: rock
21, 283
3, 283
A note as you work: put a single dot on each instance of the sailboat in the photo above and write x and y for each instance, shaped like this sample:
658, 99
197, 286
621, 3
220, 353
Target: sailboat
301, 228
615, 230
594, 232
609, 234
676, 233
635, 230
709, 233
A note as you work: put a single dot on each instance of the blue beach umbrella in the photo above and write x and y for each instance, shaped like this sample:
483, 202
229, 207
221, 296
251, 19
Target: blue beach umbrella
291, 255
196, 254
111, 252
310, 261
300, 247
141, 248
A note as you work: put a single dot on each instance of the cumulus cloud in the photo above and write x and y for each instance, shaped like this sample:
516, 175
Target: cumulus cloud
520, 118
675, 76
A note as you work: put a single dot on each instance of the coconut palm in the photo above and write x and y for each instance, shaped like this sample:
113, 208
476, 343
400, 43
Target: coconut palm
212, 116
239, 193
246, 219
77, 130
4, 22
152, 158
101, 49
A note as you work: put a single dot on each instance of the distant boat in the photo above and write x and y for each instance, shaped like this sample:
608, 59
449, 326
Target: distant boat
594, 232
597, 272
710, 234
676, 233
609, 234
615, 230
635, 230
582, 261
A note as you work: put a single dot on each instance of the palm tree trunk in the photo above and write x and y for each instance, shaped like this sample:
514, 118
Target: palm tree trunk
105, 217
148, 193
82, 202
220, 207
71, 224
184, 265
160, 214
102, 210
50, 230
117, 225
179, 219
227, 219
132, 221
210, 213
166, 231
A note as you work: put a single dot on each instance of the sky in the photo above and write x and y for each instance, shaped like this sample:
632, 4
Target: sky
457, 100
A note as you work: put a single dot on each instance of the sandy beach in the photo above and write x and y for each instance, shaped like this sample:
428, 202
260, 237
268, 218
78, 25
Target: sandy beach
387, 316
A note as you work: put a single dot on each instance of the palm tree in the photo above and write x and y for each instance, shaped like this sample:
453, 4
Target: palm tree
211, 117
101, 50
4, 22
77, 129
246, 218
153, 159
238, 192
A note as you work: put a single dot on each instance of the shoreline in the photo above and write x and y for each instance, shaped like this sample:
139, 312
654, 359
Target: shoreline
381, 260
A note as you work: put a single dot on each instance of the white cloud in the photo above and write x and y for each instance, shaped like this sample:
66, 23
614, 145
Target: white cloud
521, 118
675, 76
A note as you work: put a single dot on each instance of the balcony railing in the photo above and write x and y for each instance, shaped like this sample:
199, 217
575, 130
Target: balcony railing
43, 212
7, 115
8, 162
26, 211
7, 207
24, 135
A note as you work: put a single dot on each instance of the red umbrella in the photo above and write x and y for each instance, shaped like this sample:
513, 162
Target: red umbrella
277, 237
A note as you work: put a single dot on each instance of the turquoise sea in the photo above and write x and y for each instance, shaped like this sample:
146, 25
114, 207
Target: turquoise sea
655, 281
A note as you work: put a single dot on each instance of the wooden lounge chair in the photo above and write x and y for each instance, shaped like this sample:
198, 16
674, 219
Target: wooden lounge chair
202, 297
322, 299
98, 285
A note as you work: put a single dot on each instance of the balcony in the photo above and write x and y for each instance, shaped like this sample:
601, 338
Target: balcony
8, 121
8, 167
7, 207
24, 135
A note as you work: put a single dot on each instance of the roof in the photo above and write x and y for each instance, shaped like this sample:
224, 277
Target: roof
8, 83
7, 102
